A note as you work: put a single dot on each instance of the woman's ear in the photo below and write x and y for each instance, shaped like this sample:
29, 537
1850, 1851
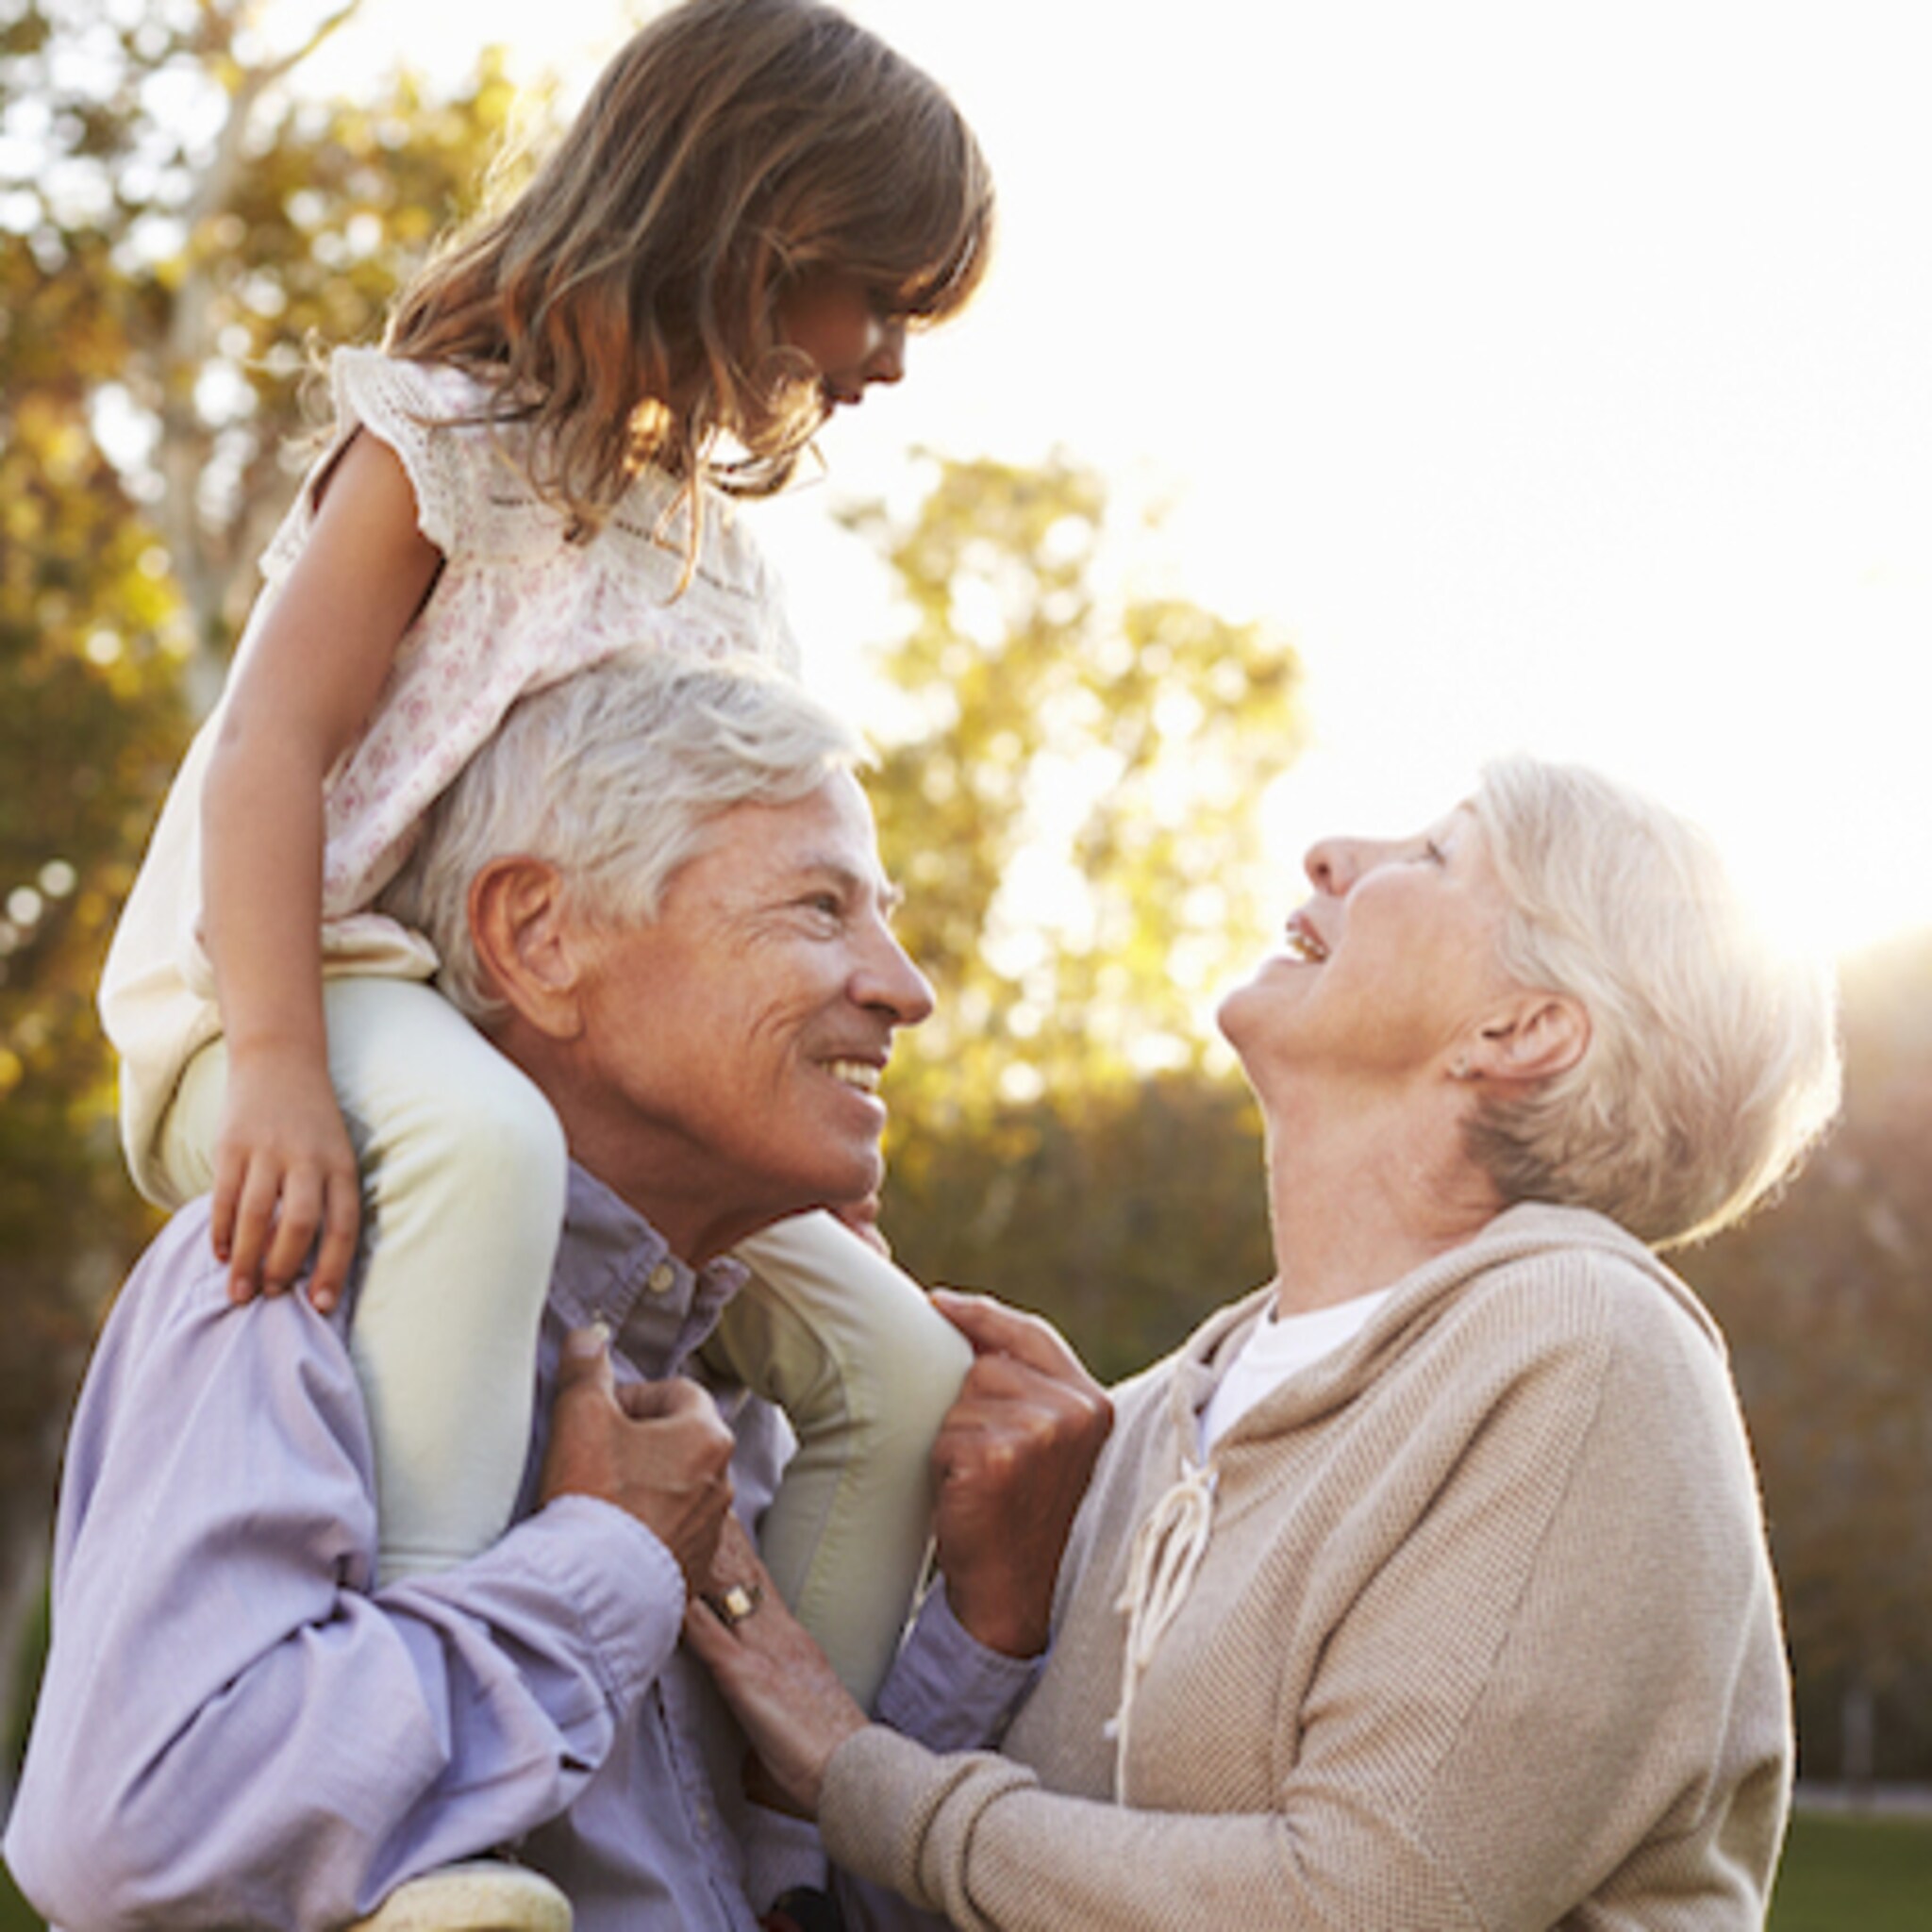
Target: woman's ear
526, 943
1535, 1036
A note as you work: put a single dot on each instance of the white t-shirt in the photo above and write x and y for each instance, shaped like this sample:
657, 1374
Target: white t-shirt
1279, 1346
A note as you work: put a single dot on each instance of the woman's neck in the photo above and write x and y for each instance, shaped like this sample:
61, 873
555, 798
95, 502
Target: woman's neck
1363, 1188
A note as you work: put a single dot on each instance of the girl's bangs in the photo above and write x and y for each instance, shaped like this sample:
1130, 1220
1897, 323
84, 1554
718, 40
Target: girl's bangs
937, 253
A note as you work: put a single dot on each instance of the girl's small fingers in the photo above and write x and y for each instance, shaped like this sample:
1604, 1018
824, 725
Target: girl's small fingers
253, 1217
333, 1256
298, 1219
221, 1220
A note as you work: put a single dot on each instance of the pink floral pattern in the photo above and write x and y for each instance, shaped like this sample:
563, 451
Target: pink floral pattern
516, 607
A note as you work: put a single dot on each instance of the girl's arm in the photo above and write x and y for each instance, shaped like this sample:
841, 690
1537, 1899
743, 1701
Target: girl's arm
284, 1169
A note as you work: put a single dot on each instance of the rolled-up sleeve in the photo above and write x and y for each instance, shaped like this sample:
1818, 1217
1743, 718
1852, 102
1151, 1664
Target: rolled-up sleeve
233, 1728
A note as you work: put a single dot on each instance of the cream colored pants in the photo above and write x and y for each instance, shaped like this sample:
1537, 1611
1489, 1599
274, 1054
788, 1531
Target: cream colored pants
463, 1166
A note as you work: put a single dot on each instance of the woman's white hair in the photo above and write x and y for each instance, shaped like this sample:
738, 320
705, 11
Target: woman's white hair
1713, 1059
613, 776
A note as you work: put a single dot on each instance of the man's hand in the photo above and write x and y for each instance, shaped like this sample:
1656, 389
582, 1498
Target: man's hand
1010, 1465
657, 1450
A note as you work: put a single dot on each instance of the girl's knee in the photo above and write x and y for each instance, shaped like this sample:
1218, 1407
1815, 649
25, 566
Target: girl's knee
510, 1130
482, 1143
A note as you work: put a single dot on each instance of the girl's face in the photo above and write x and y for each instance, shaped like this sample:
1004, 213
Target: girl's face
833, 317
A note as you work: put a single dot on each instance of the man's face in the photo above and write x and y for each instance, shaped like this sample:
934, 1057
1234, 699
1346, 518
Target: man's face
728, 1065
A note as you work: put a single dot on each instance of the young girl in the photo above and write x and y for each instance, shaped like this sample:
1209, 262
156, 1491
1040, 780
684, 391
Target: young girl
731, 242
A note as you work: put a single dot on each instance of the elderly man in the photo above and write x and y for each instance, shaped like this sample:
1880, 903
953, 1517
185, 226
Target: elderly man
238, 1728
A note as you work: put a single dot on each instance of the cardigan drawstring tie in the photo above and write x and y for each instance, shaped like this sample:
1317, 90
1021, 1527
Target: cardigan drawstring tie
1168, 1549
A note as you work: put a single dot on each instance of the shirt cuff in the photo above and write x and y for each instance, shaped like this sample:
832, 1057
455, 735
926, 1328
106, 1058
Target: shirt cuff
946, 1690
624, 1585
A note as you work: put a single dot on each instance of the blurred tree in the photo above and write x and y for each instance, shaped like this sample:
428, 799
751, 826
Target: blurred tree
176, 224
1070, 797
1125, 1214
1827, 1300
1069, 801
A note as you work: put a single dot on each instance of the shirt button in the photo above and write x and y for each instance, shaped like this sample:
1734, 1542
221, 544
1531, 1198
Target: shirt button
661, 1277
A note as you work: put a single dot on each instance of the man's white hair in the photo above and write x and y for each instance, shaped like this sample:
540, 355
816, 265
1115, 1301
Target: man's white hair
1713, 1060
613, 776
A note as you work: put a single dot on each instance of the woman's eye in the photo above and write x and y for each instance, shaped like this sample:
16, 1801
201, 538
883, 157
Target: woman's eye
1434, 853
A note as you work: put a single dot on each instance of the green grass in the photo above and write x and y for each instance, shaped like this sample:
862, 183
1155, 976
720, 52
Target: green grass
1855, 1874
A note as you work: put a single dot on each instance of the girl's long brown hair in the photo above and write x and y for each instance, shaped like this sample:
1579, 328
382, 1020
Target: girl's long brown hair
621, 307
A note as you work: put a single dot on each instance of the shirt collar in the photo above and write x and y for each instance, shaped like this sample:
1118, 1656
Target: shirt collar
614, 1267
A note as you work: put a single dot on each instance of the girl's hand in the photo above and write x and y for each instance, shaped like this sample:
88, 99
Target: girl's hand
776, 1679
285, 1174
300, 697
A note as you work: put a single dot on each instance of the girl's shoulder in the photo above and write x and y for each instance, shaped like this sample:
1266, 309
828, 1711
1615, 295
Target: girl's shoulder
431, 419
435, 419
370, 382
476, 503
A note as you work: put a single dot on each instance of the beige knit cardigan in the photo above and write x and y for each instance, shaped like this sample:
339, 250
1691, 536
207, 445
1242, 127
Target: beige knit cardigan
1483, 1635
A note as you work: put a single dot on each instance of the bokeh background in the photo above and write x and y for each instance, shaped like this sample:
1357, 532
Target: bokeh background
1361, 392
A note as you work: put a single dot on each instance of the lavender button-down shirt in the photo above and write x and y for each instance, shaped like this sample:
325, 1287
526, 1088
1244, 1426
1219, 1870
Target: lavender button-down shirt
238, 1729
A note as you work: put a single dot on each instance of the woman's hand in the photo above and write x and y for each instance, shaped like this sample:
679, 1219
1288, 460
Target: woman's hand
284, 1180
1012, 1461
776, 1679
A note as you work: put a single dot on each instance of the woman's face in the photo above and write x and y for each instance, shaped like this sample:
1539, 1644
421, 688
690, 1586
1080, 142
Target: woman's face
1389, 967
834, 318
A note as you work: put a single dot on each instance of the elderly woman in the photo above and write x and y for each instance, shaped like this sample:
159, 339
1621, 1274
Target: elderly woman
1424, 1587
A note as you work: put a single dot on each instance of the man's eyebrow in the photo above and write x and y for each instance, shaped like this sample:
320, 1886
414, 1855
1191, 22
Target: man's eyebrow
854, 884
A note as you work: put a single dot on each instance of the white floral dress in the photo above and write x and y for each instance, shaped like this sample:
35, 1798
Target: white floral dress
516, 607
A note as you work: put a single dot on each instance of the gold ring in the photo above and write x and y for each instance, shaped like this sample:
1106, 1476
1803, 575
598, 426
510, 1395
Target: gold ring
733, 1606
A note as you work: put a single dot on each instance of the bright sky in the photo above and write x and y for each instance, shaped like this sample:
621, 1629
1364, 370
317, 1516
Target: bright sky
1559, 377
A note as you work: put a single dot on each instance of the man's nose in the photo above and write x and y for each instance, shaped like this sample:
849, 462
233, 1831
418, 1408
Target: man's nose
890, 981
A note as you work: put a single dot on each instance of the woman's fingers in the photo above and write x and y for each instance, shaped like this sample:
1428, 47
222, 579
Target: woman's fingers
994, 1328
779, 1683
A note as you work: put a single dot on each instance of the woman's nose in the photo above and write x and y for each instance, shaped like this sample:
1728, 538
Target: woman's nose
1337, 866
1327, 866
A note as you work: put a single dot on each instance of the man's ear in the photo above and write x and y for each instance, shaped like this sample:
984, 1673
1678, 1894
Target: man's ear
1534, 1036
526, 943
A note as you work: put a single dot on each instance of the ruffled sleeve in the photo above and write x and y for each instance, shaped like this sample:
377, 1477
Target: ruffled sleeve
472, 500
